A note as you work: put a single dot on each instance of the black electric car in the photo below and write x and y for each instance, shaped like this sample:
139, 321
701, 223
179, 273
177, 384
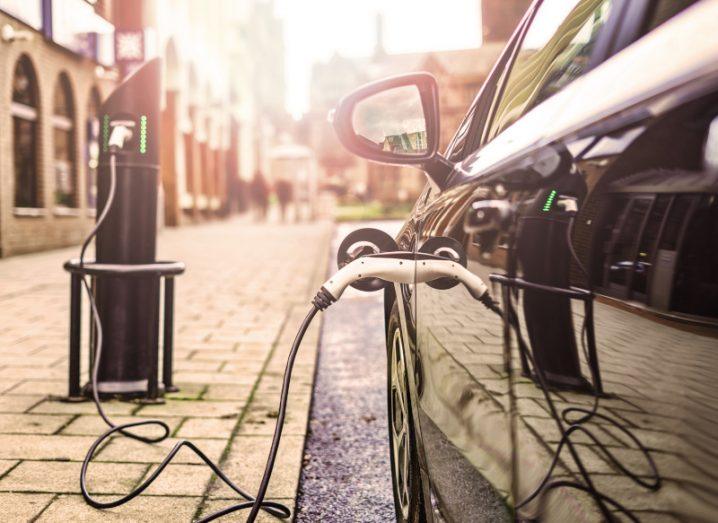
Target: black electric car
582, 187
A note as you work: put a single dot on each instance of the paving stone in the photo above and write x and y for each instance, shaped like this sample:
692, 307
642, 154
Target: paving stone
197, 366
190, 391
47, 447
246, 461
6, 465
32, 423
262, 414
201, 409
22, 507
49, 387
180, 480
112, 408
219, 391
18, 403
93, 425
123, 449
206, 428
209, 377
64, 477
149, 509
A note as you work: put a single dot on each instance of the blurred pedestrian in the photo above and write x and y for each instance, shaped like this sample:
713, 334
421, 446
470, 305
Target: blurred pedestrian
259, 192
285, 191
242, 195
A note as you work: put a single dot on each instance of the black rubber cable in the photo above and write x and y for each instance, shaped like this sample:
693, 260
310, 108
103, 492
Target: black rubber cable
577, 425
255, 503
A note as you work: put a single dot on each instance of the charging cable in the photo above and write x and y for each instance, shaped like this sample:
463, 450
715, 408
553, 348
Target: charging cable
397, 267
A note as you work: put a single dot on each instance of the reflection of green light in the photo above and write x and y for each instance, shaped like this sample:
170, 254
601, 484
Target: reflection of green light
105, 131
143, 134
549, 201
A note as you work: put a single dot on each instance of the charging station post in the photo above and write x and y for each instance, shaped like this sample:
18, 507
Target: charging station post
126, 275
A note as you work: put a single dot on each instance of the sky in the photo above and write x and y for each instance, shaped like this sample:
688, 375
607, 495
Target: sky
316, 29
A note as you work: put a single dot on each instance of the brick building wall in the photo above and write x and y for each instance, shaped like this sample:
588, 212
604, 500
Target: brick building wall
47, 227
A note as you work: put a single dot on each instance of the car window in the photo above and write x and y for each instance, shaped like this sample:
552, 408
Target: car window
555, 51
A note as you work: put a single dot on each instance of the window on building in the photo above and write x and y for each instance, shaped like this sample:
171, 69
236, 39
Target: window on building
92, 147
24, 111
63, 130
556, 50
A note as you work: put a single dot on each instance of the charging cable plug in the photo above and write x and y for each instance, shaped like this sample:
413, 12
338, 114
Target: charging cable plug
398, 267
121, 134
569, 204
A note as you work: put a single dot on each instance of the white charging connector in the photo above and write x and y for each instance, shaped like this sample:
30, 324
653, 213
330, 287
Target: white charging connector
402, 267
121, 133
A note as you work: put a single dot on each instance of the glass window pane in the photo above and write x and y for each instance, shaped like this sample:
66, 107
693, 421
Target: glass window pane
62, 99
64, 143
23, 85
25, 137
92, 151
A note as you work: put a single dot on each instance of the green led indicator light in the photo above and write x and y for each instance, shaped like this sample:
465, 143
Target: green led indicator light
105, 132
549, 201
143, 134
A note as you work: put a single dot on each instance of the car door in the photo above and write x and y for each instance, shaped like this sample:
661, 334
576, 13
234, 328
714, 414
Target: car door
468, 435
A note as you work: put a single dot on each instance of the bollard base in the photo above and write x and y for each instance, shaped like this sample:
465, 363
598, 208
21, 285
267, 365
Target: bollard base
148, 388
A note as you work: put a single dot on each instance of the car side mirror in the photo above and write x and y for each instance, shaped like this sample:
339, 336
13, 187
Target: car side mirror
394, 121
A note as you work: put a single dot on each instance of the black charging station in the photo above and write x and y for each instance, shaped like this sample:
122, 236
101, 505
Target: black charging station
126, 277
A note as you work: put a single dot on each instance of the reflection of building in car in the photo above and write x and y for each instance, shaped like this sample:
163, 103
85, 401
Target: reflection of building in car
656, 225
405, 142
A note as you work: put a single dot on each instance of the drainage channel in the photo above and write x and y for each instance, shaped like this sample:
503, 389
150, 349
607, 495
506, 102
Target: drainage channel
346, 473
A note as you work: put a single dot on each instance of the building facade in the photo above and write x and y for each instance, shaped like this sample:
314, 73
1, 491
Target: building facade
223, 101
222, 106
53, 76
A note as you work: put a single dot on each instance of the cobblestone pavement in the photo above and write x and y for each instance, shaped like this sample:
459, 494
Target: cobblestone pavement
246, 289
346, 474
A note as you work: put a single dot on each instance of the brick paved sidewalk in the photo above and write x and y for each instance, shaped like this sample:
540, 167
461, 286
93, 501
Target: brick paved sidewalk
246, 290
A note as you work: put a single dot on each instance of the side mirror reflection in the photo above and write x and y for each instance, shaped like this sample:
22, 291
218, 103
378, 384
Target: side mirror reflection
392, 121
